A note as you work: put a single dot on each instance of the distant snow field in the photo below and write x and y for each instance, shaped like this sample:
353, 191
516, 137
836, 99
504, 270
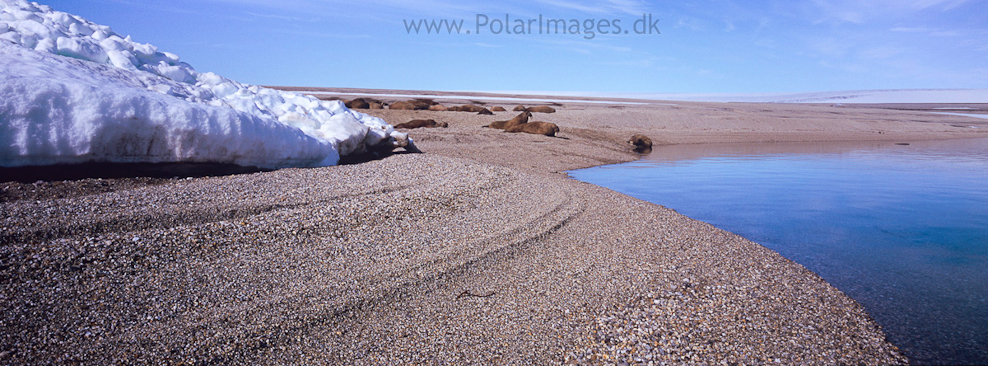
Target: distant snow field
72, 91
469, 96
984, 116
921, 96
930, 96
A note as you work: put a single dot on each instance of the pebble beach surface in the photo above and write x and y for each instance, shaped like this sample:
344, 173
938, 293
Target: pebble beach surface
479, 251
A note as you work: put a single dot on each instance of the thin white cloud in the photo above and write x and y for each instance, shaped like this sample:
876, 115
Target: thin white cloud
317, 34
375, 9
766, 43
645, 61
843, 66
763, 22
851, 17
280, 17
831, 47
585, 45
690, 23
861, 12
574, 6
881, 52
631, 7
630, 63
911, 30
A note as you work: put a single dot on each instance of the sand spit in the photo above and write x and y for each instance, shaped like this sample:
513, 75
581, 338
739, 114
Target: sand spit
347, 264
479, 251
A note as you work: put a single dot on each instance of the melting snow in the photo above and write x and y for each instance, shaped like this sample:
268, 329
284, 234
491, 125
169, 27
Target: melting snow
72, 91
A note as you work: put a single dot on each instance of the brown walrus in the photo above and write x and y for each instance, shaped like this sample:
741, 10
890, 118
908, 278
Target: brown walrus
413, 105
519, 119
519, 108
376, 105
542, 109
359, 103
535, 128
486, 112
642, 143
466, 108
422, 103
437, 107
497, 124
418, 123
405, 106
498, 109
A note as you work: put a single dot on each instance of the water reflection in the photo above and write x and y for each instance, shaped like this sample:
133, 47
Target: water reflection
901, 228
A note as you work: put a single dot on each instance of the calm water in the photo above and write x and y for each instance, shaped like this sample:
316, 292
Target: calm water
901, 229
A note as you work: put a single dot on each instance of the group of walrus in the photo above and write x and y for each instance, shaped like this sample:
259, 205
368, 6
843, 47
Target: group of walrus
416, 105
419, 104
521, 124
518, 124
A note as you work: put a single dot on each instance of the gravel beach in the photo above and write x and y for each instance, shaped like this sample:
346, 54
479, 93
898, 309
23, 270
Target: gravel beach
481, 250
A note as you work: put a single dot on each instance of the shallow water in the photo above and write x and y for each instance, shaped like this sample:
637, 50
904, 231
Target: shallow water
903, 229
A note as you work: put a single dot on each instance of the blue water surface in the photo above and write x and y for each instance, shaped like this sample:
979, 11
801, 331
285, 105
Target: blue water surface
903, 229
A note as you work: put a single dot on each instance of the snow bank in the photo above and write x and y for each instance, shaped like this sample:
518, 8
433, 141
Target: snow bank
72, 91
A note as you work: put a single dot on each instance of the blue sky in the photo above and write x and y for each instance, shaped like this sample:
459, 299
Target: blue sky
705, 46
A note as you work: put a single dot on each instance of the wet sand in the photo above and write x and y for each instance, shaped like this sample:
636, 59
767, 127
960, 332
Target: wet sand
481, 250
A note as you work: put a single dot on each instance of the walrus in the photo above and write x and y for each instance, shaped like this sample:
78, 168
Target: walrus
418, 123
413, 105
375, 105
521, 118
498, 109
404, 106
486, 112
519, 108
422, 103
466, 108
542, 109
641, 142
359, 103
535, 128
437, 107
